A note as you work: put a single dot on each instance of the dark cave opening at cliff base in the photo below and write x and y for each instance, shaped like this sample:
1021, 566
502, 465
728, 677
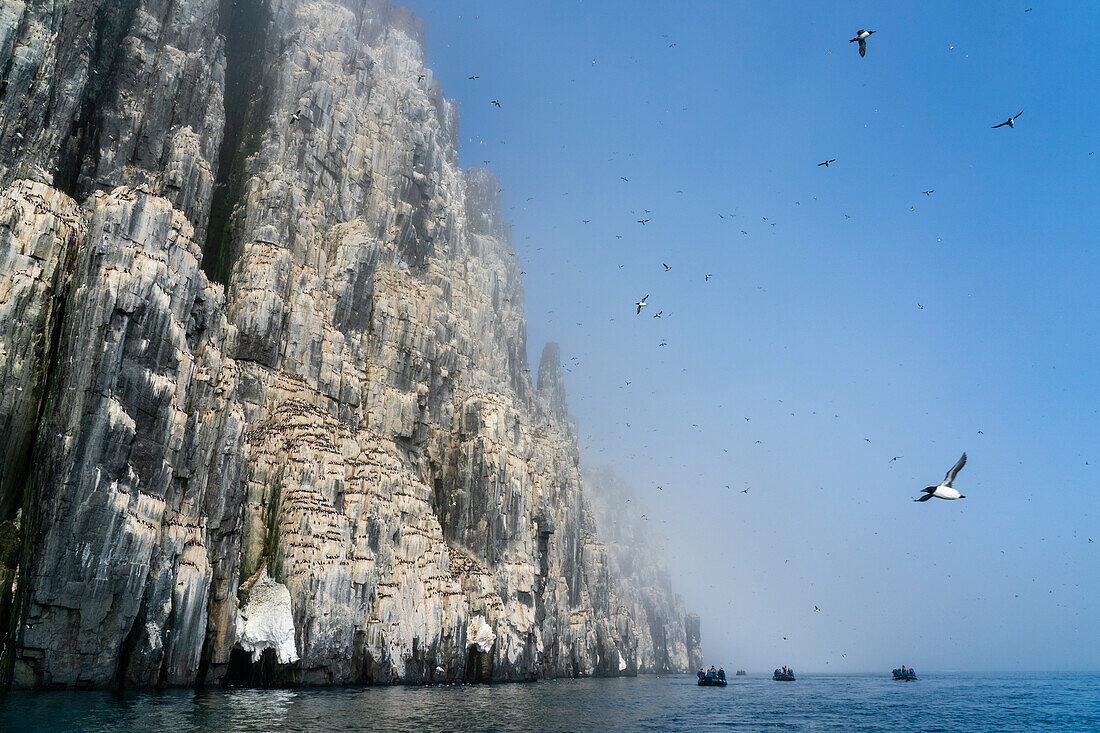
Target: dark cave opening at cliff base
479, 665
265, 672
244, 26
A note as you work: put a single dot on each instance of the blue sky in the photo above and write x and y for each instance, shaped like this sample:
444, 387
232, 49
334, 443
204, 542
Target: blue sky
860, 320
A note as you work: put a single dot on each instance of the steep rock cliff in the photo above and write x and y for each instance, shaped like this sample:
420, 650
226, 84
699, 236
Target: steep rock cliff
265, 416
669, 638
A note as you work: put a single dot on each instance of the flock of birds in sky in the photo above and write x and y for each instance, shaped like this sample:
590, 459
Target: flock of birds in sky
944, 490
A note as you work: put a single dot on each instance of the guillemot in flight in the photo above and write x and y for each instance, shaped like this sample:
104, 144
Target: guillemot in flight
1011, 121
944, 490
861, 36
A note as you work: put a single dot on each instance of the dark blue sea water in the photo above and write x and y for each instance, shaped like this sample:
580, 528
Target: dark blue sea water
938, 702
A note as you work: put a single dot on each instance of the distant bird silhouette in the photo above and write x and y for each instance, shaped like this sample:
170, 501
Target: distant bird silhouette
642, 221
641, 304
1011, 121
706, 277
475, 76
624, 178
495, 102
861, 37
826, 163
894, 459
419, 78
816, 609
667, 268
944, 490
929, 192
658, 314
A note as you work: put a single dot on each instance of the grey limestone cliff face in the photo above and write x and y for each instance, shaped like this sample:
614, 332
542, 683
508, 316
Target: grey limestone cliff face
265, 416
668, 640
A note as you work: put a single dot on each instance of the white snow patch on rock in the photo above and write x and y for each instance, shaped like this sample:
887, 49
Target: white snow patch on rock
480, 633
622, 662
266, 621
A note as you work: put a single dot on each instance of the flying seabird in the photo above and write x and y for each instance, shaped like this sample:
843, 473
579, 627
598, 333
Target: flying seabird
944, 490
474, 76
495, 102
861, 36
658, 314
1011, 121
929, 192
707, 276
641, 304
667, 268
642, 221
826, 163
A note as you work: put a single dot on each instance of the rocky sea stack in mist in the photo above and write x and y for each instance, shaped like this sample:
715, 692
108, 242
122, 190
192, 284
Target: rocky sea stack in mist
265, 410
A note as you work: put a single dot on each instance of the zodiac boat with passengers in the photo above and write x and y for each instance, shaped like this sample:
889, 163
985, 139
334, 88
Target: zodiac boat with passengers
783, 674
905, 674
712, 678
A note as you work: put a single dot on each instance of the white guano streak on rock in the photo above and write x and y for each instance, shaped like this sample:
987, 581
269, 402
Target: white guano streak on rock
266, 621
479, 633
